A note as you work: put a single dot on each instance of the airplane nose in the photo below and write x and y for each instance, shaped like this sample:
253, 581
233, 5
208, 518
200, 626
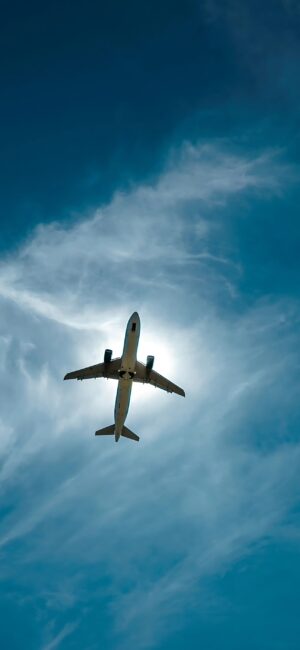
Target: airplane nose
135, 317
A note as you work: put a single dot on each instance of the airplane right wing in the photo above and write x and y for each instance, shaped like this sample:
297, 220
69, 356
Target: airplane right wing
152, 377
108, 370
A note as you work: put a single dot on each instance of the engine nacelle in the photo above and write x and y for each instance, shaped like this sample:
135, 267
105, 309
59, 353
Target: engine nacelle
149, 362
107, 356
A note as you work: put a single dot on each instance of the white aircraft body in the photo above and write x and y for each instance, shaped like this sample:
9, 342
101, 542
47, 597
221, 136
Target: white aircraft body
126, 369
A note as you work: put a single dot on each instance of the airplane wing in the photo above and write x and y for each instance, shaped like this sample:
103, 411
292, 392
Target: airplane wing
109, 370
152, 377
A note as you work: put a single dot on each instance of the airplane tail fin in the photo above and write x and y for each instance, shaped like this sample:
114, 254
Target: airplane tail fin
129, 434
107, 431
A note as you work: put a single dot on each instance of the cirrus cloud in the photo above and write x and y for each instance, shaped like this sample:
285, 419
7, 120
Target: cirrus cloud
208, 479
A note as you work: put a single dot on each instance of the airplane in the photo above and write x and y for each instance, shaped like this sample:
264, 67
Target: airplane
126, 369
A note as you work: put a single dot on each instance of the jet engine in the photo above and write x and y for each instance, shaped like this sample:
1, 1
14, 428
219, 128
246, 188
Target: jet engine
149, 362
107, 356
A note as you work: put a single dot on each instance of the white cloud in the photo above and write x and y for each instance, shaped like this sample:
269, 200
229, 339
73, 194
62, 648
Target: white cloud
208, 478
144, 236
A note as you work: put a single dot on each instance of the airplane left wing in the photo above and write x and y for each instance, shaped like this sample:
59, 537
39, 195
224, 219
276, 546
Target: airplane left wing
145, 376
108, 370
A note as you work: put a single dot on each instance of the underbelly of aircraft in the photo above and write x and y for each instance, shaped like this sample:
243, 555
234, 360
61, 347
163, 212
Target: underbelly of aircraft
122, 400
126, 374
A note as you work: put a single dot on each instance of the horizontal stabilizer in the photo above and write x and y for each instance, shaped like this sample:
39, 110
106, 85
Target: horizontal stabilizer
129, 434
107, 431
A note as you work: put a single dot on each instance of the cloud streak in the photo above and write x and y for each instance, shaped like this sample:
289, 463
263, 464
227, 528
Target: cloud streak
149, 232
208, 479
63, 634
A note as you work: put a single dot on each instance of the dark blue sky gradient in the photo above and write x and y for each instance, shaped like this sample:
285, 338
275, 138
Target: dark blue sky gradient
94, 94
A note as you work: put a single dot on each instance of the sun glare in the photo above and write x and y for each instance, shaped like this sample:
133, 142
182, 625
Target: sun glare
153, 341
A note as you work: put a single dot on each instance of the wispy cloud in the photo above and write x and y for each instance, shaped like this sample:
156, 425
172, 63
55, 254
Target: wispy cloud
209, 478
57, 640
149, 232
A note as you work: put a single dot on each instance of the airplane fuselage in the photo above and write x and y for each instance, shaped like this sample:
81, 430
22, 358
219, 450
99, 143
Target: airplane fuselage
126, 373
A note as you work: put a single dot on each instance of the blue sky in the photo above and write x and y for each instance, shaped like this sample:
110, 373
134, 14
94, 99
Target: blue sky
150, 161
